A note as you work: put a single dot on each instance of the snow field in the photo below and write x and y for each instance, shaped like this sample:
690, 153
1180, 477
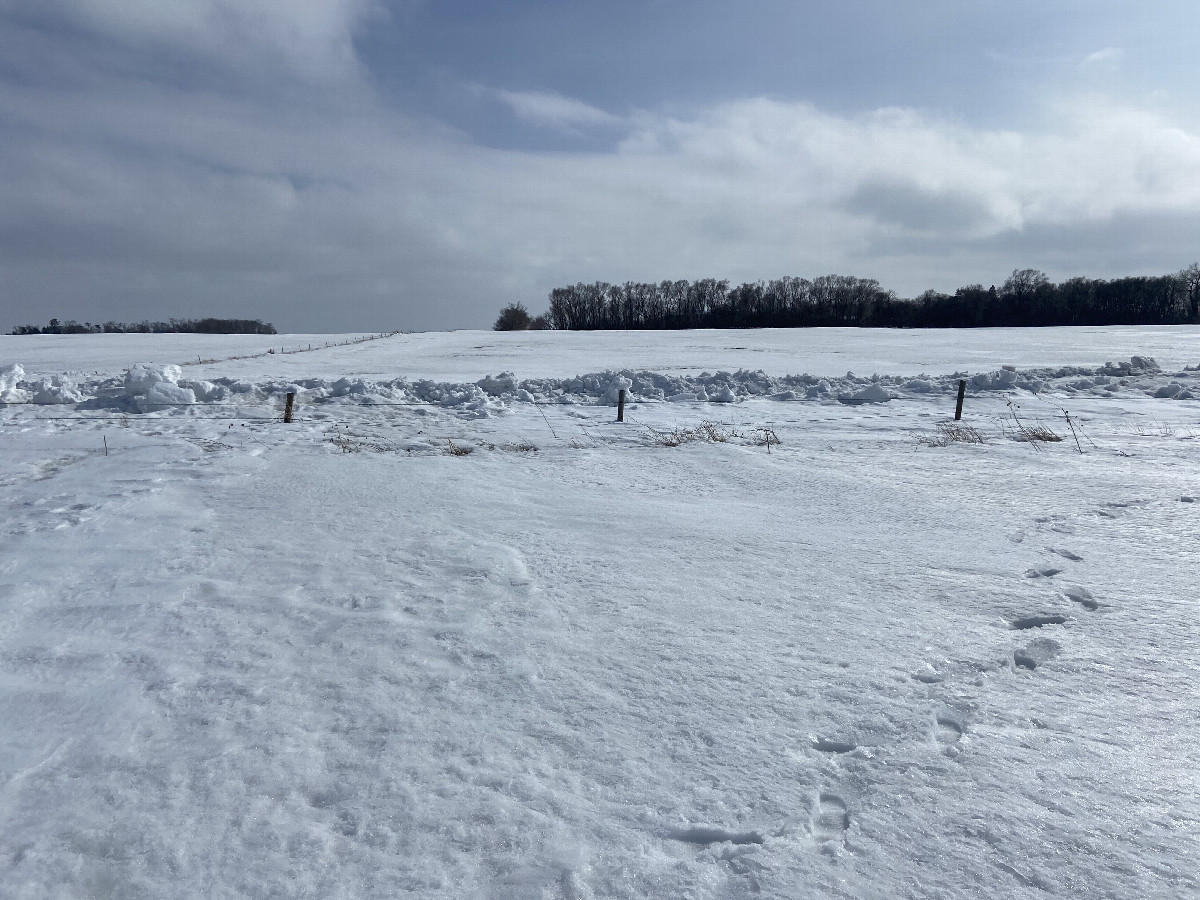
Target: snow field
465, 356
335, 659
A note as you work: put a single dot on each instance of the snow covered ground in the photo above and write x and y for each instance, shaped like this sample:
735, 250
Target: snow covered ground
469, 355
455, 632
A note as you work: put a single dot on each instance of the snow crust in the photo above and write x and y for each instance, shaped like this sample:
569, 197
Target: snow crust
469, 637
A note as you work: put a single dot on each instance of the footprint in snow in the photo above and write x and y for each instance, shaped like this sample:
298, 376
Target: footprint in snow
347, 823
948, 730
826, 745
831, 818
1082, 596
1065, 554
1036, 653
1027, 622
1045, 572
712, 834
1056, 523
1112, 510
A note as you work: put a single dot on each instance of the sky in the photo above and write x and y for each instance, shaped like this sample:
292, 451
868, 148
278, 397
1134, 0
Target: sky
342, 165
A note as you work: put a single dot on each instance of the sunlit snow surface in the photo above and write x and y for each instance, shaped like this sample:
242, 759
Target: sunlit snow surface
345, 658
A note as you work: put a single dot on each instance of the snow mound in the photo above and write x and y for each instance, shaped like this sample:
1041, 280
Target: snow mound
496, 387
613, 394
56, 389
141, 377
1002, 380
164, 394
1137, 365
10, 377
205, 391
871, 394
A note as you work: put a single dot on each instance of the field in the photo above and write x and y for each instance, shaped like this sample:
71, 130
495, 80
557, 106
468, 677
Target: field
456, 632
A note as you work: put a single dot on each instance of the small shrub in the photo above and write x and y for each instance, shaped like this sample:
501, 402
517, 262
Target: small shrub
514, 317
344, 440
706, 432
711, 433
456, 450
1037, 432
1154, 428
766, 437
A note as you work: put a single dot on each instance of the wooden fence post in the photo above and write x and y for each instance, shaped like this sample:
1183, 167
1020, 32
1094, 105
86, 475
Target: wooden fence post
621, 405
962, 390
287, 409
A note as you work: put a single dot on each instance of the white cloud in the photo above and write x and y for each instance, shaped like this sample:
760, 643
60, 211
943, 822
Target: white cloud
1107, 60
554, 110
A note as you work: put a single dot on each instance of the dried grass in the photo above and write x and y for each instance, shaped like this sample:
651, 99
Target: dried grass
947, 433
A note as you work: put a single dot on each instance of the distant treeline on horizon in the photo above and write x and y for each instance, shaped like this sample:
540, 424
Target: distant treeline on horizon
185, 326
1027, 298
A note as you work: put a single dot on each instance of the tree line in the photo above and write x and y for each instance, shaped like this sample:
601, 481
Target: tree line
1027, 298
190, 326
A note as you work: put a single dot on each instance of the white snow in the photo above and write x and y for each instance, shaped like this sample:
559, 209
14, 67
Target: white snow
468, 355
10, 377
141, 377
455, 633
872, 393
49, 391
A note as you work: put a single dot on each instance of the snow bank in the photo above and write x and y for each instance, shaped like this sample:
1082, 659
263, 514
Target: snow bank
152, 387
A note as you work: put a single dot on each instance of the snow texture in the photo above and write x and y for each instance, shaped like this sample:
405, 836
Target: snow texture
460, 634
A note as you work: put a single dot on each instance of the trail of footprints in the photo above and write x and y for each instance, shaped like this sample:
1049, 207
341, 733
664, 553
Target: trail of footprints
830, 816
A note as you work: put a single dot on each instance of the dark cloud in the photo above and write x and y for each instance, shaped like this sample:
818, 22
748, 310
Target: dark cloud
1125, 243
914, 208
